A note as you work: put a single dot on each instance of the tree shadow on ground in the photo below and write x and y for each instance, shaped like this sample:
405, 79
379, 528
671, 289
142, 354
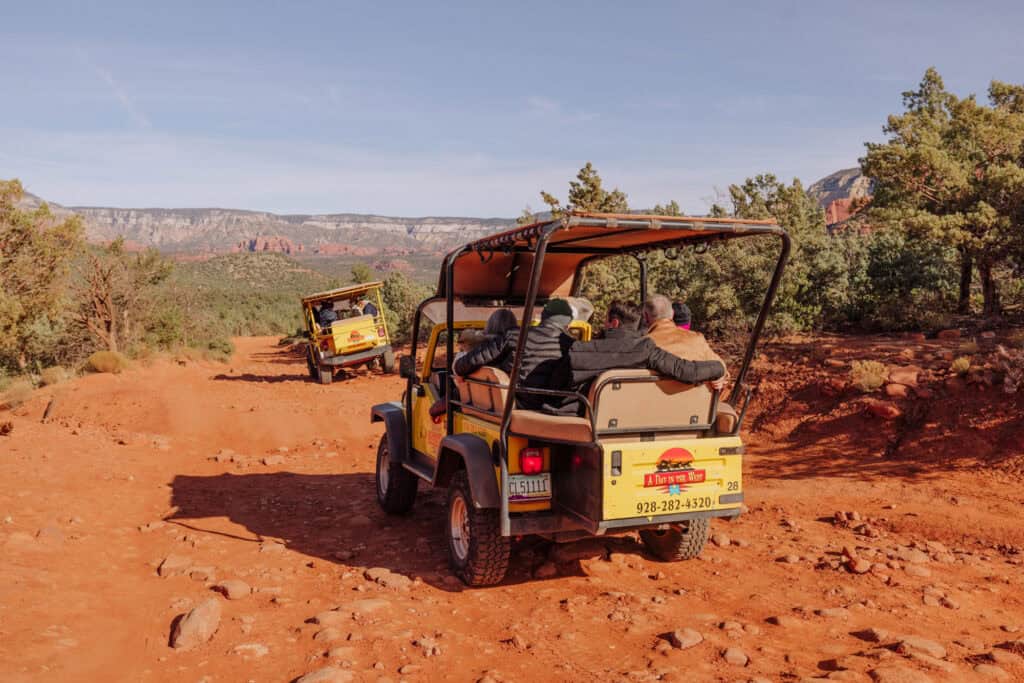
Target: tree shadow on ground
335, 517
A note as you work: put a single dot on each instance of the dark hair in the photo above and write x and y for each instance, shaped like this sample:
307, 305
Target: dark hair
500, 322
628, 314
680, 313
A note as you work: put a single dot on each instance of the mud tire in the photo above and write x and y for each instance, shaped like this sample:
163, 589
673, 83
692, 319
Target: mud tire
387, 362
481, 557
314, 373
683, 541
396, 486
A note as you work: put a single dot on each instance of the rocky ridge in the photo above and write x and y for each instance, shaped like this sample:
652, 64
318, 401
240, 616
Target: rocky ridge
213, 229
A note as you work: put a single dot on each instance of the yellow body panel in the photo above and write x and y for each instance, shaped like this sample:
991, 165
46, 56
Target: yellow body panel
355, 334
642, 490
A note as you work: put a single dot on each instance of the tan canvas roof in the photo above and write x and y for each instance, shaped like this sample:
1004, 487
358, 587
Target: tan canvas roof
341, 292
499, 266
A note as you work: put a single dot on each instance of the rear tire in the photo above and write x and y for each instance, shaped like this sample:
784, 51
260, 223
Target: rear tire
326, 375
314, 374
396, 486
683, 541
387, 362
477, 552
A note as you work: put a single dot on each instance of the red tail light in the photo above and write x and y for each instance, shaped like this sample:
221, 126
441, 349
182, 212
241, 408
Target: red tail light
381, 332
531, 461
324, 345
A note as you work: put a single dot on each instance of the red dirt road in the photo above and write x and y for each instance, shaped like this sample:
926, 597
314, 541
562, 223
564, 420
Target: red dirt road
249, 471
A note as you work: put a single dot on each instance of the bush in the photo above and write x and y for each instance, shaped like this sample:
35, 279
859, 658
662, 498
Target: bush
107, 361
868, 375
961, 365
220, 350
54, 375
17, 393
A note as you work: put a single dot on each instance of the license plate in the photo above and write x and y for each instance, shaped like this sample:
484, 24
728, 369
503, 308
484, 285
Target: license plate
524, 487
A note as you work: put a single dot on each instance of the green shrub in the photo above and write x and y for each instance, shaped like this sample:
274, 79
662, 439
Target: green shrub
868, 375
54, 375
961, 365
220, 350
17, 393
107, 361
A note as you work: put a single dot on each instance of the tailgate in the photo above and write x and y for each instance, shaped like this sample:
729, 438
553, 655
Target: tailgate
654, 478
354, 334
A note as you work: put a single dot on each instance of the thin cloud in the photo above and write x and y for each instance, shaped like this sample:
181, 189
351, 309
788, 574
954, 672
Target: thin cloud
120, 94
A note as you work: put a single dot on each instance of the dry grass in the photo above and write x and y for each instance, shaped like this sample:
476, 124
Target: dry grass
961, 365
868, 375
107, 361
17, 393
54, 375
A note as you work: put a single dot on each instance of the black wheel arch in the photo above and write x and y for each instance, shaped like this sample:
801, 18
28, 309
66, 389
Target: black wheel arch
469, 451
396, 428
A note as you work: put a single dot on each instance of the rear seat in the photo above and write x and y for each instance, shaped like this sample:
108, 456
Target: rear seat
488, 403
620, 405
647, 405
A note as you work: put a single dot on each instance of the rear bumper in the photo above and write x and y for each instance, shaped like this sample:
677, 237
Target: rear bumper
354, 358
559, 522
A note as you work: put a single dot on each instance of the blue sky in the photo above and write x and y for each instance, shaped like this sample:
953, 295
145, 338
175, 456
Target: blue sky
462, 108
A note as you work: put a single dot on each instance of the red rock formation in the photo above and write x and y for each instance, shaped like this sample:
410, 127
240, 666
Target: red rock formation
274, 243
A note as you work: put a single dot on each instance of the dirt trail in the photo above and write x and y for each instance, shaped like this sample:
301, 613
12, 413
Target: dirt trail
249, 471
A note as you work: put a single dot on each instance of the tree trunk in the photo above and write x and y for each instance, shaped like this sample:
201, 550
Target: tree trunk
989, 289
963, 306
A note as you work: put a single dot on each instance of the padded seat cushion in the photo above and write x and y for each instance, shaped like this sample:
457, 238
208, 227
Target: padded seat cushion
647, 404
551, 427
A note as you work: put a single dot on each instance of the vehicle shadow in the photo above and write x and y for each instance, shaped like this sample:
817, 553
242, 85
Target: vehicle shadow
335, 517
252, 377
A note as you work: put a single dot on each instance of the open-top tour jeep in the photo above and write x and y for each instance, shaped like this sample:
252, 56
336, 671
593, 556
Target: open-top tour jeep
358, 335
650, 454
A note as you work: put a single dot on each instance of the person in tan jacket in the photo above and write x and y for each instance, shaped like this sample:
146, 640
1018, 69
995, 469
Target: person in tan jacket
675, 340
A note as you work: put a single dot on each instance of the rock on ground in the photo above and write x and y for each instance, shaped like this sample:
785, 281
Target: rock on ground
328, 674
234, 589
174, 565
684, 639
735, 656
198, 626
898, 674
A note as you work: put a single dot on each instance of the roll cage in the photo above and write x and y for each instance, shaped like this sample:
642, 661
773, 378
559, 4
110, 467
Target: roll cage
492, 269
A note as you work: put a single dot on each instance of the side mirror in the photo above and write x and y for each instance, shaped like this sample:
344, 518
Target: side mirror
406, 367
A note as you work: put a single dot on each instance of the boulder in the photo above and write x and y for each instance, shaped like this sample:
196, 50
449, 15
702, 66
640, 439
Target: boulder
198, 626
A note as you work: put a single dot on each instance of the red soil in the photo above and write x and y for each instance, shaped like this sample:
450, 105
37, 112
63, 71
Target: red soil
125, 473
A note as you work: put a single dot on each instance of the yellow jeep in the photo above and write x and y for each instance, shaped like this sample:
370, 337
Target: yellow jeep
346, 327
649, 454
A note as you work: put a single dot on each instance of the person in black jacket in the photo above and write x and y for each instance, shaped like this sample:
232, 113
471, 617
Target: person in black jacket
623, 346
543, 353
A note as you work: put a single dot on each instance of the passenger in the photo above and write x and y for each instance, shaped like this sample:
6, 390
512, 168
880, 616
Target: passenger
368, 308
624, 346
500, 335
663, 331
326, 315
543, 352
681, 315
500, 322
498, 325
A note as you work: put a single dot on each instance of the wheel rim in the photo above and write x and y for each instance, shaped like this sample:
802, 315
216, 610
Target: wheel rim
382, 471
458, 522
